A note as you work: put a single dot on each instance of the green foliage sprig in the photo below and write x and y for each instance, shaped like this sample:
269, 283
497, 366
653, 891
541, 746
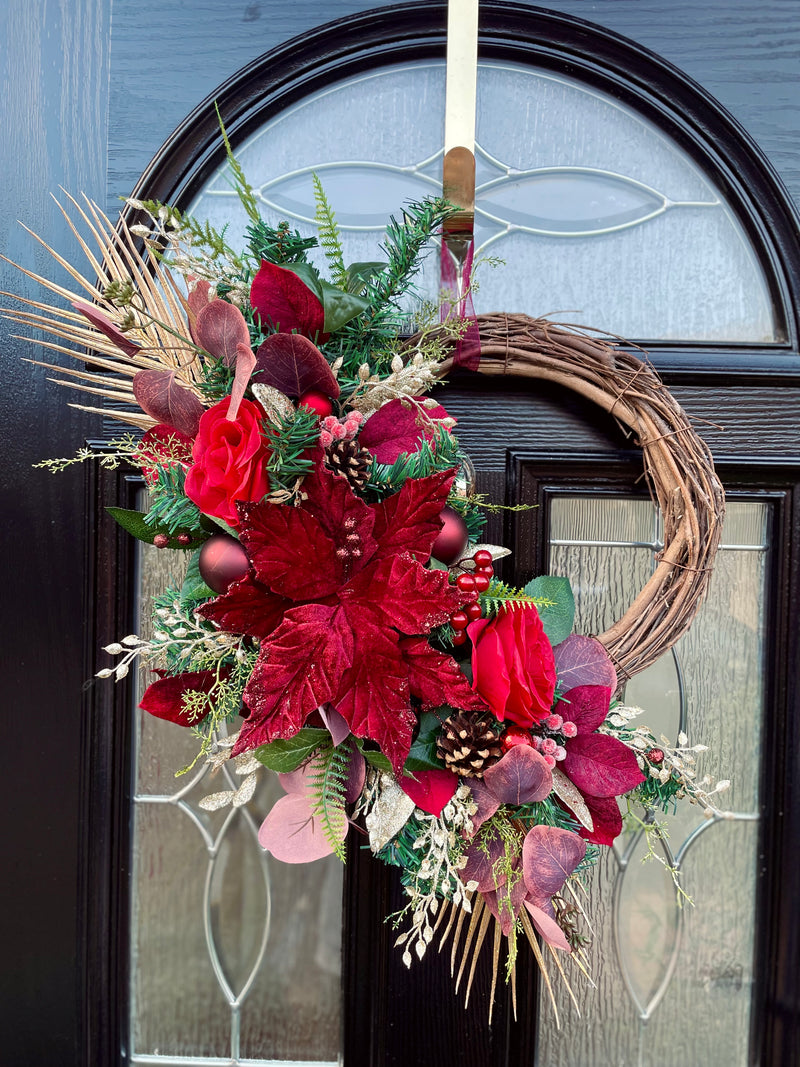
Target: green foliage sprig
278, 244
500, 596
240, 183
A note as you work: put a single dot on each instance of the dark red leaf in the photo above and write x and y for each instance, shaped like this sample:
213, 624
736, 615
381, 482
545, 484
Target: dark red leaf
247, 608
520, 777
484, 864
163, 398
338, 510
104, 324
294, 365
164, 697
584, 661
409, 520
586, 706
399, 426
436, 678
505, 902
549, 856
601, 766
430, 790
220, 328
607, 820
285, 303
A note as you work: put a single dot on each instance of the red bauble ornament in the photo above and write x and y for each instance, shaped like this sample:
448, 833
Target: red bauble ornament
317, 402
452, 539
515, 735
221, 562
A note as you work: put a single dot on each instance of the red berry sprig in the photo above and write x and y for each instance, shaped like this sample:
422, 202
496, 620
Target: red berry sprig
474, 583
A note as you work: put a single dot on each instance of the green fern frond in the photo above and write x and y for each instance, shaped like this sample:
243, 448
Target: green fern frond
329, 235
328, 780
500, 596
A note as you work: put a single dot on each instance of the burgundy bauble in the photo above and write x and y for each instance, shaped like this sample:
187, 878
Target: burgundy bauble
221, 562
452, 539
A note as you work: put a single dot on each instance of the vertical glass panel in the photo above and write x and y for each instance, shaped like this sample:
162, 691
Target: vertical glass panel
673, 984
568, 181
235, 957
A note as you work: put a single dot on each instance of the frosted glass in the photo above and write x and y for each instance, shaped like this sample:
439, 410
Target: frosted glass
674, 985
597, 214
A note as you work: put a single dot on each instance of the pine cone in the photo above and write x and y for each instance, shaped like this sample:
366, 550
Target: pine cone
468, 745
349, 459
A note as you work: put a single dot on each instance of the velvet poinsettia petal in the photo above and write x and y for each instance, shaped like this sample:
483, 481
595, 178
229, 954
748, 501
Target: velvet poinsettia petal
409, 520
520, 777
583, 660
606, 820
400, 592
487, 803
293, 364
161, 396
399, 426
292, 834
247, 607
601, 766
505, 902
220, 328
340, 513
164, 697
484, 864
299, 668
549, 856
104, 324
373, 694
284, 302
430, 790
435, 678
586, 706
548, 927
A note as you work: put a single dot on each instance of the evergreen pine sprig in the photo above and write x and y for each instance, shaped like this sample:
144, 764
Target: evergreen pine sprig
403, 246
435, 455
278, 244
500, 596
328, 780
291, 438
170, 508
329, 236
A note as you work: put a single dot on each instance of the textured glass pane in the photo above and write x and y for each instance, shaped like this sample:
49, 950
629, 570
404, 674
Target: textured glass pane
568, 181
233, 955
674, 985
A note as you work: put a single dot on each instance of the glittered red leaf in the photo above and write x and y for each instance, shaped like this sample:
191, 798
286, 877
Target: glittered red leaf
586, 706
162, 397
436, 678
583, 661
246, 608
294, 365
409, 520
520, 777
399, 426
549, 856
164, 698
298, 669
329, 498
401, 593
104, 324
601, 766
285, 303
220, 328
430, 790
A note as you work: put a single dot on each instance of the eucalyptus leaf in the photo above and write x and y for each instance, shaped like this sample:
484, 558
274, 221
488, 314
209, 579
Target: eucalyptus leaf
558, 613
287, 755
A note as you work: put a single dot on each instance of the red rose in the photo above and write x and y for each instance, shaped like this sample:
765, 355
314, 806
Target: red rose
229, 460
512, 666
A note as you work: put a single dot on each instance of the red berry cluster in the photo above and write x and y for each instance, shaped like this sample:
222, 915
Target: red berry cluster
474, 582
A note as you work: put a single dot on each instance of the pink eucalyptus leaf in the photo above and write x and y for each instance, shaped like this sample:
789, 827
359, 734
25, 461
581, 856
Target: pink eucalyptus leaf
548, 927
292, 834
520, 777
583, 661
294, 365
484, 865
399, 426
220, 328
161, 396
586, 706
505, 902
104, 324
549, 856
601, 766
245, 362
334, 723
430, 790
486, 801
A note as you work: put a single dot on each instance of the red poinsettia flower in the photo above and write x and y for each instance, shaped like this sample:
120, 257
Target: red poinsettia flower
340, 600
601, 766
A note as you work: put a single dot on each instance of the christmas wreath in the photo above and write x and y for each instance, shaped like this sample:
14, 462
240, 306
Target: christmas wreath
341, 622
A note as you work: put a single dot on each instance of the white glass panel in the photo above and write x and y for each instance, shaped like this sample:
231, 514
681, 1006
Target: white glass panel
598, 216
235, 958
674, 984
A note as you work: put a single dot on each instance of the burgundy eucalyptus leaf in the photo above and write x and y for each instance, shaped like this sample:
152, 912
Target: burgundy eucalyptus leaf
334, 723
583, 661
548, 927
586, 706
601, 766
356, 776
505, 901
520, 777
104, 324
245, 362
294, 365
549, 856
486, 801
220, 328
163, 398
484, 865
399, 426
